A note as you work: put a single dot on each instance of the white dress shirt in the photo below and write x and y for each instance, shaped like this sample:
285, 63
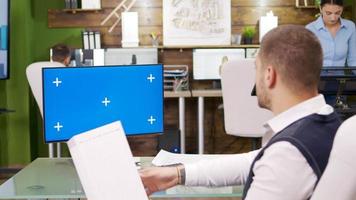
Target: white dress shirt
339, 178
282, 172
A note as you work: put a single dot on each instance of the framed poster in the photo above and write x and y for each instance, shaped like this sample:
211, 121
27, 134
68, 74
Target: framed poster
196, 22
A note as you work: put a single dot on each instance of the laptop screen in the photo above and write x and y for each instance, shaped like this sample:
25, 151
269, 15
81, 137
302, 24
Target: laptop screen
78, 99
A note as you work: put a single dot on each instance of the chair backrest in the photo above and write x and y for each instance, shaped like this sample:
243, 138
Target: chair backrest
339, 178
243, 116
34, 78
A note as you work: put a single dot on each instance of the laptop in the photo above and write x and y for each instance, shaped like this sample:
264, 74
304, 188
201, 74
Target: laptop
105, 164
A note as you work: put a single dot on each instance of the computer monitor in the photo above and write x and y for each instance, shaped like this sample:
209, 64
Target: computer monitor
4, 39
78, 99
338, 80
130, 56
334, 81
207, 62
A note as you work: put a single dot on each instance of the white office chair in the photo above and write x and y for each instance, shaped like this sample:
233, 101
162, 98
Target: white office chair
34, 78
339, 178
242, 115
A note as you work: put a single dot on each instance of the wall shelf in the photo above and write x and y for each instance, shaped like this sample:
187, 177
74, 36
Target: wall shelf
310, 7
306, 4
211, 46
201, 47
73, 11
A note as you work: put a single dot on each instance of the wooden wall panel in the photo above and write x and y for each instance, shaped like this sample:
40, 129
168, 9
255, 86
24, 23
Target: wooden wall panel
244, 13
139, 3
262, 3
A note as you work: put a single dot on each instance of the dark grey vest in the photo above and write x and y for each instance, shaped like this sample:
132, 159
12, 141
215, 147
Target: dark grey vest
313, 136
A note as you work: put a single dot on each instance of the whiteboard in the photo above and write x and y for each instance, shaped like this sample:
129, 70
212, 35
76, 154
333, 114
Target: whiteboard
196, 22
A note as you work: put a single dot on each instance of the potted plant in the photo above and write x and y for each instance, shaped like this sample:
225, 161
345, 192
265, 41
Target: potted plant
155, 38
248, 33
317, 3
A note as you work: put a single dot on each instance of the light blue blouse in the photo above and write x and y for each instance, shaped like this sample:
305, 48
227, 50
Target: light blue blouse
340, 50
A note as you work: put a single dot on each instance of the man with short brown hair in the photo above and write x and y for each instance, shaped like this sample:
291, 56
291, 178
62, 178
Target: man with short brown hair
298, 62
298, 140
61, 53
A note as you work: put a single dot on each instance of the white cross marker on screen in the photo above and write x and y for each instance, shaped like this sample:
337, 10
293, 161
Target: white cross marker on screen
151, 120
58, 126
151, 78
57, 82
106, 101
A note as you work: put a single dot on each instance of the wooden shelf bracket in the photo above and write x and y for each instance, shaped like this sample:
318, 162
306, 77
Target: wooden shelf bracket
116, 13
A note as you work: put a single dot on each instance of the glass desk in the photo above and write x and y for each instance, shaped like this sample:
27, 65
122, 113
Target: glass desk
56, 178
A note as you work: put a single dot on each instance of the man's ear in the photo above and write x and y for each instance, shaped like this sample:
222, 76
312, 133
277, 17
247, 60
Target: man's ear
66, 61
270, 76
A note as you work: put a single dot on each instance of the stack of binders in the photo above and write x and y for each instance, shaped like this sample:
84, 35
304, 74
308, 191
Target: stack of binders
176, 77
91, 40
71, 4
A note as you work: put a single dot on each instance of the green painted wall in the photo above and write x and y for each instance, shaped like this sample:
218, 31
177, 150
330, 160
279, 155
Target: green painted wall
14, 130
44, 39
21, 138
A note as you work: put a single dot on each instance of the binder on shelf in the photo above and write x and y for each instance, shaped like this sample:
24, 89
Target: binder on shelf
91, 40
97, 39
74, 4
68, 4
85, 36
91, 4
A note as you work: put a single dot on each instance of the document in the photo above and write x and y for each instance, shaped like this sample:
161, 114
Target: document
168, 158
105, 164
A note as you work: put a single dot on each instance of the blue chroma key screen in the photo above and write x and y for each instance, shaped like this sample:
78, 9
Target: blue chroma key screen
78, 99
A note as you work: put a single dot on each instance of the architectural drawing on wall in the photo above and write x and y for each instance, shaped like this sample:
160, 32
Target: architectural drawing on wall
196, 22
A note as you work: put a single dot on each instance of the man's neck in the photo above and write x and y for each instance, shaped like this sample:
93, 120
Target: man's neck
288, 100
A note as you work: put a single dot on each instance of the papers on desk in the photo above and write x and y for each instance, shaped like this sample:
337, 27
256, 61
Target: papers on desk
105, 165
176, 77
167, 158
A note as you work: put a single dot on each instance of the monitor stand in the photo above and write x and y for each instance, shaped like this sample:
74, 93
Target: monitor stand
340, 103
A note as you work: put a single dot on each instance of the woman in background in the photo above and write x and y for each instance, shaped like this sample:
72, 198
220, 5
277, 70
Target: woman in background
337, 35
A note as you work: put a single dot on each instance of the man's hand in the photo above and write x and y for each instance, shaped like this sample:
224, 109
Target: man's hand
159, 178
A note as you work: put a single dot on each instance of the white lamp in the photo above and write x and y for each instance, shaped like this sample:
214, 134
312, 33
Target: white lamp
267, 23
129, 29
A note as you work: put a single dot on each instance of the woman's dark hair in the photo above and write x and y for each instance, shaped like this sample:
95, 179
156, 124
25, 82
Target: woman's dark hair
332, 2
